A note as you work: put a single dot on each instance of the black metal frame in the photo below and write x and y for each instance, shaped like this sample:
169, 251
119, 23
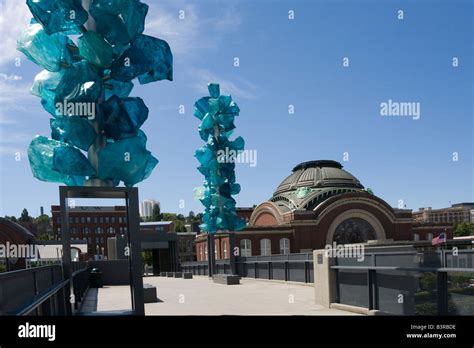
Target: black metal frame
130, 195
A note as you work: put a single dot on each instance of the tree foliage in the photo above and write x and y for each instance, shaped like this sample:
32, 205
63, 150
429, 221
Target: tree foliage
464, 229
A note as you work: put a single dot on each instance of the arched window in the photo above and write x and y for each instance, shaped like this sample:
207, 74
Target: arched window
98, 230
354, 230
224, 249
284, 246
110, 230
265, 247
245, 247
430, 236
86, 230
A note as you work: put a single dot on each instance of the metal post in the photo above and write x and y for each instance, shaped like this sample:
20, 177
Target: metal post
210, 254
372, 286
66, 244
135, 249
442, 292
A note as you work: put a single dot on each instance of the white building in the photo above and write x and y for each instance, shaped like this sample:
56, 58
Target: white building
146, 207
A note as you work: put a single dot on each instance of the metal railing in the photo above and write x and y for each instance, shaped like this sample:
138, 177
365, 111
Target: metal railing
41, 291
288, 267
410, 282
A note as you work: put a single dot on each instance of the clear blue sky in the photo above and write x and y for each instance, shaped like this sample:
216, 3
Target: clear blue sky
284, 62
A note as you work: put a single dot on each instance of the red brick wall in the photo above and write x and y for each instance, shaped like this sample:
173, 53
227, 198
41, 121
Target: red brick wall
265, 219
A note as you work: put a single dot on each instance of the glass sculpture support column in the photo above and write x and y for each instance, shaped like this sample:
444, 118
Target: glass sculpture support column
211, 255
130, 194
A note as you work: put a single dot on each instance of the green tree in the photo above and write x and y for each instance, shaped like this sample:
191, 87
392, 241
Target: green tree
179, 226
169, 217
11, 218
191, 216
464, 229
156, 213
25, 217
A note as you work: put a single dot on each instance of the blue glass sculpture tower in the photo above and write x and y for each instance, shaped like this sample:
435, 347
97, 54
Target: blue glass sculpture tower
217, 161
95, 126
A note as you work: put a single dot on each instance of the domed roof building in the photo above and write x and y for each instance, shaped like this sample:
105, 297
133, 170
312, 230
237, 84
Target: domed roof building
318, 204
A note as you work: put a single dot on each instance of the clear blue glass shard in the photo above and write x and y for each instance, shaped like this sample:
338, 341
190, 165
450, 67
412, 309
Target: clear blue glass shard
213, 106
48, 51
123, 116
238, 144
198, 192
80, 83
119, 21
126, 160
73, 130
214, 90
118, 88
95, 49
58, 15
44, 86
201, 107
224, 101
148, 58
41, 154
70, 161
203, 155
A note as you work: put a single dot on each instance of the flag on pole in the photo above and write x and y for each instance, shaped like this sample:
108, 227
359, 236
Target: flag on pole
439, 240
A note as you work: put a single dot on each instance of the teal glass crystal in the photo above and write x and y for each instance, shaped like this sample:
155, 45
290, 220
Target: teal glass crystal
58, 15
95, 49
118, 88
70, 161
123, 116
148, 58
48, 51
41, 157
80, 83
95, 129
119, 21
44, 86
217, 161
126, 160
73, 130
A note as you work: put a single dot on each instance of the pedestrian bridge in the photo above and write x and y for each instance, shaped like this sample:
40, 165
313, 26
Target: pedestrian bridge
201, 296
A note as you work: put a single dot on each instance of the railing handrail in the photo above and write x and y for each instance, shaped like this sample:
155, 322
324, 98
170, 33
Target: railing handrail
409, 269
275, 261
25, 271
41, 298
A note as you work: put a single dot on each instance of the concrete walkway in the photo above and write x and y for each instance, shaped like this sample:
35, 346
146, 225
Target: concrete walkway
201, 296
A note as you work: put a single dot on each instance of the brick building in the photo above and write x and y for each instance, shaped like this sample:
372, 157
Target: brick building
93, 225
317, 204
457, 213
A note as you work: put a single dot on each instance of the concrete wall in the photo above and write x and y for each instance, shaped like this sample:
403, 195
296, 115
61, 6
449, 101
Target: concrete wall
325, 286
114, 272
